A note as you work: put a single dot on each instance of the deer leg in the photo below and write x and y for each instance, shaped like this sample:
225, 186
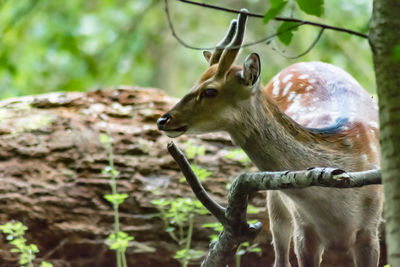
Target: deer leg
366, 249
281, 229
307, 246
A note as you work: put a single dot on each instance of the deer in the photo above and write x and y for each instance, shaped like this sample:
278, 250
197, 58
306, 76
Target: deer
310, 114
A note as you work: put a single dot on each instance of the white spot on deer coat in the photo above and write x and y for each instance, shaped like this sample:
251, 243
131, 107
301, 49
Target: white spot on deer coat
287, 78
308, 88
312, 81
374, 148
303, 76
373, 124
286, 90
275, 90
291, 95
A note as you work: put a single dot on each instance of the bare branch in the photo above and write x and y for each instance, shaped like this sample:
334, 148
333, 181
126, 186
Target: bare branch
217, 210
307, 50
183, 43
255, 15
234, 217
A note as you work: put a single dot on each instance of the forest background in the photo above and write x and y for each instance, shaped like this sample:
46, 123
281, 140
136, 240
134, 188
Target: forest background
46, 46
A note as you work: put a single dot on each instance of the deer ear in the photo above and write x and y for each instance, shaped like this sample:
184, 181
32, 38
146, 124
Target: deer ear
251, 69
207, 55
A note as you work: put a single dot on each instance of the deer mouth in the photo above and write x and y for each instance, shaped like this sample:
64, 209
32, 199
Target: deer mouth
172, 133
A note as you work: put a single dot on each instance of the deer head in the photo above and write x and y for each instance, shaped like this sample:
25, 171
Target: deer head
210, 104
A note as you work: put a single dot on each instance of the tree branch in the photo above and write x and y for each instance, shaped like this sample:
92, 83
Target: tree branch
183, 43
234, 217
321, 31
217, 210
255, 15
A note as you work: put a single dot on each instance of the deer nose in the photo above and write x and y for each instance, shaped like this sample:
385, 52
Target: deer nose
162, 121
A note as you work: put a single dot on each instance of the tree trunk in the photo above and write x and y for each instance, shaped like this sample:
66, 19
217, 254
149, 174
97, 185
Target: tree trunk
385, 43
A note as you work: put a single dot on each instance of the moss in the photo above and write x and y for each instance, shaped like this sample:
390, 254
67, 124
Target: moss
32, 122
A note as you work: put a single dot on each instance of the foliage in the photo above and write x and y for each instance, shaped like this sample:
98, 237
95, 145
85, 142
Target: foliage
217, 226
117, 240
45, 46
244, 247
286, 29
312, 7
201, 173
14, 232
276, 8
192, 152
178, 215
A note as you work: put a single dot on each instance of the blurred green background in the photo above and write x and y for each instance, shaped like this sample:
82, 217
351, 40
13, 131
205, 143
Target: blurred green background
76, 45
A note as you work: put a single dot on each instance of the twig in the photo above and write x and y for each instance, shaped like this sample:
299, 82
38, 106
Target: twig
255, 15
306, 51
183, 43
217, 210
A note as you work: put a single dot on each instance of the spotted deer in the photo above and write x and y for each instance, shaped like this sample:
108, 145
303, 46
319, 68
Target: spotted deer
309, 114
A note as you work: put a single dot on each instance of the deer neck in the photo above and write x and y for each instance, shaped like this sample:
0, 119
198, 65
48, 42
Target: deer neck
273, 141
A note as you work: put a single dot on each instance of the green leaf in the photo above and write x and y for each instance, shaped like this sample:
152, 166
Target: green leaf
46, 264
192, 150
200, 173
285, 31
160, 202
180, 254
312, 7
33, 248
106, 170
252, 209
276, 8
105, 139
255, 250
118, 198
118, 241
170, 229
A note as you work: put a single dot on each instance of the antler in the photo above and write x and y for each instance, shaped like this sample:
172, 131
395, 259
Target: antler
230, 53
224, 43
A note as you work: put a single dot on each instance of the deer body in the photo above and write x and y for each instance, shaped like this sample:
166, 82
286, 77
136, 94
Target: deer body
310, 114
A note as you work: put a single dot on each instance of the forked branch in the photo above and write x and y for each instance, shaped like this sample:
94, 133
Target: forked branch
255, 15
266, 39
233, 218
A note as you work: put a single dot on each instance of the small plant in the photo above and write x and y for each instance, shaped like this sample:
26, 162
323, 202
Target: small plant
14, 232
192, 152
178, 215
244, 247
117, 240
200, 173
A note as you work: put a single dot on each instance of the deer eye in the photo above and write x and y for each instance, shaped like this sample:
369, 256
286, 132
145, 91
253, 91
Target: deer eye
209, 93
